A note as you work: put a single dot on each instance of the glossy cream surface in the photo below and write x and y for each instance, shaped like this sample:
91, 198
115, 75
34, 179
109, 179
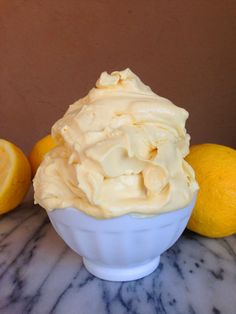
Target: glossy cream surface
120, 150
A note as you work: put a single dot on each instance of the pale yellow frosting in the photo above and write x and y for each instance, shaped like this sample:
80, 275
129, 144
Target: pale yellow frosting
120, 150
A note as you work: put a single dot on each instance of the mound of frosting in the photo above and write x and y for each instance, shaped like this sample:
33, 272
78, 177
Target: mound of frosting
120, 150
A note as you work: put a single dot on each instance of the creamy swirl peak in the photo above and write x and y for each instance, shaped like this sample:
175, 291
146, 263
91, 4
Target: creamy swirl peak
120, 150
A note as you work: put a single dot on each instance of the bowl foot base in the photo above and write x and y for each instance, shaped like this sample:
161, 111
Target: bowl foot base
121, 274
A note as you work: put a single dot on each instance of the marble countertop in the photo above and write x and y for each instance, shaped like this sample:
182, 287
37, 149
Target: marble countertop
39, 274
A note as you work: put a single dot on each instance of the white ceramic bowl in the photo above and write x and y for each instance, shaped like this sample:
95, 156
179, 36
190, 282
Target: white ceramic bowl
123, 248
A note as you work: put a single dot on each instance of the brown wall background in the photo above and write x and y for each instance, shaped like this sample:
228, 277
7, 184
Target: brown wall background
52, 52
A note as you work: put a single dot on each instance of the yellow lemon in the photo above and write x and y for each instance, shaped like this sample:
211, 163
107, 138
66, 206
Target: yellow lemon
39, 150
15, 176
214, 214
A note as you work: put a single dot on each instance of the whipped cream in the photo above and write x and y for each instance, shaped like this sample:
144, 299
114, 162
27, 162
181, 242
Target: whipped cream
120, 150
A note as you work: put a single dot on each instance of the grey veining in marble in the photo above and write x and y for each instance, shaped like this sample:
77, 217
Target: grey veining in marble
40, 275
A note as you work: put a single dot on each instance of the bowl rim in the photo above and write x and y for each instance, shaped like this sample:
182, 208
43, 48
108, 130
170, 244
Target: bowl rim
74, 217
